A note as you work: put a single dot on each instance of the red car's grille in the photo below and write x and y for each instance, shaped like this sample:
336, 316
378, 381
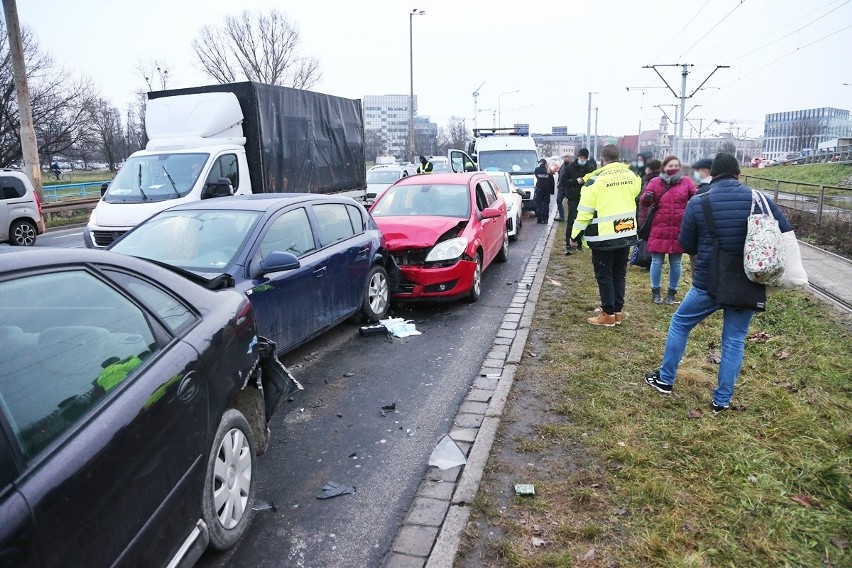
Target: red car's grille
413, 257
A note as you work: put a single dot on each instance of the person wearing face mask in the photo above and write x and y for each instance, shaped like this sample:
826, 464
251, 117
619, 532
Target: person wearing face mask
638, 166
701, 173
671, 191
573, 180
560, 187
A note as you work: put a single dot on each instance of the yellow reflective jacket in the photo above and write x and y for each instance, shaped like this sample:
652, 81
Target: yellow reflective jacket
607, 211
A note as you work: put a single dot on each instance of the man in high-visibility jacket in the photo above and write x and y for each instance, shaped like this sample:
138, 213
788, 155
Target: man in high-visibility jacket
425, 166
606, 219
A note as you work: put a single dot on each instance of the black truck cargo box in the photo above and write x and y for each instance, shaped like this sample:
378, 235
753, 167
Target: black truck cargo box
296, 141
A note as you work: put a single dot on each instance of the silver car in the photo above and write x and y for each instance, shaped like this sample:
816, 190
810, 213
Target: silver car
20, 211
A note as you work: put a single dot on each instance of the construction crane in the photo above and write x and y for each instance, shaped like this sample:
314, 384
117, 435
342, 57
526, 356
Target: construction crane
475, 99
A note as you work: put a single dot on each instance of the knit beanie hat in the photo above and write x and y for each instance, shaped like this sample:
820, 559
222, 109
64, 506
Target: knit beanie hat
724, 164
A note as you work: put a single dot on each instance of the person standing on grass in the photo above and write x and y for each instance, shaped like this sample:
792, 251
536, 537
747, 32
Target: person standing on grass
561, 190
543, 190
731, 204
606, 217
701, 173
574, 174
670, 191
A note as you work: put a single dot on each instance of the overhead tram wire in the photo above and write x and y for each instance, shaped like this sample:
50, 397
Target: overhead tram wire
749, 20
712, 28
683, 29
794, 32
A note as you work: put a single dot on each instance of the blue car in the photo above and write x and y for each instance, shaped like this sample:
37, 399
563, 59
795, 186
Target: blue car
306, 262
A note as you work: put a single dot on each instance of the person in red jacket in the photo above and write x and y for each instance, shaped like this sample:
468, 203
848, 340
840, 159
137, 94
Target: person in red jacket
671, 192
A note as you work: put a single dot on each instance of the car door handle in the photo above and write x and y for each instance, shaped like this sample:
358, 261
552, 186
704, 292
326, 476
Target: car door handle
363, 252
187, 388
319, 272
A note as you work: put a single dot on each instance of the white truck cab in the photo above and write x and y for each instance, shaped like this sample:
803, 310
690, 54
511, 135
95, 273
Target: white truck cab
507, 150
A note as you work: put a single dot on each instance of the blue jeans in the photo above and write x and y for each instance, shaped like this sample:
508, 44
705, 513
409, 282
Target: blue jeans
560, 210
657, 269
696, 306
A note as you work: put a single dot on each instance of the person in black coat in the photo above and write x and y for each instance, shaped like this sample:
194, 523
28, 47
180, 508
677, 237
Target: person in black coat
561, 189
544, 186
573, 181
701, 173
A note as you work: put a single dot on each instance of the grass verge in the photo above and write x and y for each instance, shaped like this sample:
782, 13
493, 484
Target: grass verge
826, 174
625, 478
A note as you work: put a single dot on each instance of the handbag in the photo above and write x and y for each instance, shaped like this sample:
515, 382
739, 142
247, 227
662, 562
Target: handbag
640, 256
794, 276
645, 230
729, 285
764, 252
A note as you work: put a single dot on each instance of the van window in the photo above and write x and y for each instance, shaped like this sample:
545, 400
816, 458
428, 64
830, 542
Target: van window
11, 188
225, 166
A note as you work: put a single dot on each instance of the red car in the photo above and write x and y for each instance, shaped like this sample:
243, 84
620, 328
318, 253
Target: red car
443, 230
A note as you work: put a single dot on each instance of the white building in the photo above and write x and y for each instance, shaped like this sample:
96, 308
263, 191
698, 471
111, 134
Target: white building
388, 116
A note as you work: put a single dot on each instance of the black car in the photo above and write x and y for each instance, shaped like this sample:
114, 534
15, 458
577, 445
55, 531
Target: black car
132, 405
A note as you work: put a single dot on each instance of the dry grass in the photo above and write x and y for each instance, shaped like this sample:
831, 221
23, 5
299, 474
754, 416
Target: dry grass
624, 478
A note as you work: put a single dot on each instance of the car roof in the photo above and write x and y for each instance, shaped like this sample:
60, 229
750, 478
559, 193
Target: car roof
259, 202
38, 257
440, 177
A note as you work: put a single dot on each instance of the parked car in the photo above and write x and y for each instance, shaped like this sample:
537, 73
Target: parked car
131, 411
443, 230
381, 177
514, 202
306, 262
21, 220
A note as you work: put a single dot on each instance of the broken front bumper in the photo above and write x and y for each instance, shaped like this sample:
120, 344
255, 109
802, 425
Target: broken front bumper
435, 282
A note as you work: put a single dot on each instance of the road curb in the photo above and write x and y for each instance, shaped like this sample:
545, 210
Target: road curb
486, 400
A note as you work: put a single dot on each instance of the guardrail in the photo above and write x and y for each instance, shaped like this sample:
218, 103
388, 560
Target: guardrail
53, 193
818, 199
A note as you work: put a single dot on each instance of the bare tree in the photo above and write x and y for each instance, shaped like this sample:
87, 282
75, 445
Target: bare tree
106, 129
256, 46
804, 133
59, 103
155, 72
375, 144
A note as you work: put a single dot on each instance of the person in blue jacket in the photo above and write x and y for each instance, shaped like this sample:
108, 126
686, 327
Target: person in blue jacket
731, 204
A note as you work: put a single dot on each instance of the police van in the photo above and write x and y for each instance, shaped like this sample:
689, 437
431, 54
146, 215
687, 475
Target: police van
507, 150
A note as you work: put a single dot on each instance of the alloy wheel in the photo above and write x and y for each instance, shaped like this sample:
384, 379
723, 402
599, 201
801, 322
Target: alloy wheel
378, 293
24, 234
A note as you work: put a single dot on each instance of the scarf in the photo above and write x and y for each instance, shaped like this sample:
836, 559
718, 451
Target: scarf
671, 180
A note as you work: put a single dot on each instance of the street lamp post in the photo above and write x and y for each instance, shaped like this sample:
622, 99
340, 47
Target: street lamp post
589, 121
412, 149
500, 105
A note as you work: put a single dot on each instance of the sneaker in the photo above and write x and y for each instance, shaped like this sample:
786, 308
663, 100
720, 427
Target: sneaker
604, 319
653, 380
568, 252
717, 409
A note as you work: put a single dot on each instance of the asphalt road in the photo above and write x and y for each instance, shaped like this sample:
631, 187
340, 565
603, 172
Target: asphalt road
334, 430
63, 238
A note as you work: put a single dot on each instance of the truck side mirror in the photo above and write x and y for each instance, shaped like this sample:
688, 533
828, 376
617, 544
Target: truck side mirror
220, 188
104, 188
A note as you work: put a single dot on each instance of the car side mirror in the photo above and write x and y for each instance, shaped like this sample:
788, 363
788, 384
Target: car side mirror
491, 213
219, 188
278, 261
104, 188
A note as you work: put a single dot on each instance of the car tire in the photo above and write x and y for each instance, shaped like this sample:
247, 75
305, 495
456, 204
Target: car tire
503, 254
22, 233
476, 289
376, 295
229, 482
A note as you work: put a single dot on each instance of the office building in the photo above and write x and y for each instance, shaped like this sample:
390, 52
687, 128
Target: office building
387, 115
798, 131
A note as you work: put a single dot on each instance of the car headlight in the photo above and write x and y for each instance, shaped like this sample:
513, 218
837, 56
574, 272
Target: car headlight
447, 250
92, 218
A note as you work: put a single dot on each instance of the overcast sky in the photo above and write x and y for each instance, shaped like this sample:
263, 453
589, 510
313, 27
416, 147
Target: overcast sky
554, 53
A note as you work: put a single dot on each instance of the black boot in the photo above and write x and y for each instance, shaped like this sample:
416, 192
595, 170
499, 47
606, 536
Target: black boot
670, 299
656, 296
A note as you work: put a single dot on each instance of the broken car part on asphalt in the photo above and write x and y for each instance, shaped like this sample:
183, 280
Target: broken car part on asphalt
447, 454
333, 489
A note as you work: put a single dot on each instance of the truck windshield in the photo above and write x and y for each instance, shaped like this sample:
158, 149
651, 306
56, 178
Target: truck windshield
151, 178
512, 161
198, 241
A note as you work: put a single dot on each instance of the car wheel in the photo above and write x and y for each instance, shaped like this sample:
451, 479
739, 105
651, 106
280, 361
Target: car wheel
476, 289
22, 233
229, 483
376, 295
503, 255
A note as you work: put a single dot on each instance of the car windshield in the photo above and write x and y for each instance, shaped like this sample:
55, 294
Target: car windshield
156, 177
439, 200
512, 161
383, 176
205, 241
502, 184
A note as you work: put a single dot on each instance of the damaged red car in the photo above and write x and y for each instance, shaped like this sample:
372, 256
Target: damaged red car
442, 231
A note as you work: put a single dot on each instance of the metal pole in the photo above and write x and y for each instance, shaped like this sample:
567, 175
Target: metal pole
29, 145
595, 142
411, 148
700, 131
682, 106
639, 138
589, 123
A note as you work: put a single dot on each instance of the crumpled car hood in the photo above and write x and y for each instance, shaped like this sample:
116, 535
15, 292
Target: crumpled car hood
414, 232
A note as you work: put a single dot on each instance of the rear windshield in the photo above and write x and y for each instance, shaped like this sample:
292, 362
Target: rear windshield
438, 200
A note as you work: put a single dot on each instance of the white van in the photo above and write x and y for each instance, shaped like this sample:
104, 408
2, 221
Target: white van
20, 210
507, 150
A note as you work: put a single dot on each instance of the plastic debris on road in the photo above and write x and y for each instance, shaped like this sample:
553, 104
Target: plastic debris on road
261, 505
368, 330
333, 489
388, 408
524, 489
447, 454
399, 327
